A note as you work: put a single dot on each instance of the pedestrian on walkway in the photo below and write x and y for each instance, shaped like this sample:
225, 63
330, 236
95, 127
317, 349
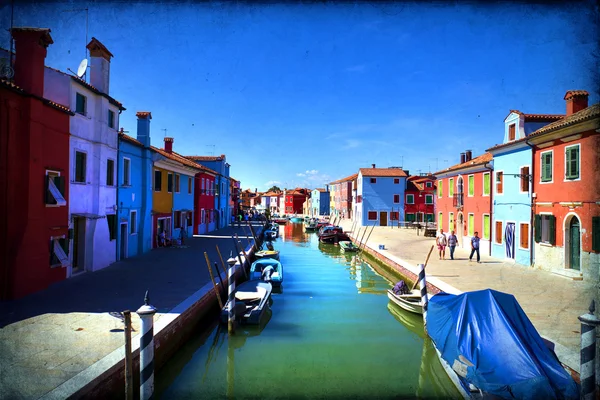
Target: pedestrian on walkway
475, 247
452, 241
441, 244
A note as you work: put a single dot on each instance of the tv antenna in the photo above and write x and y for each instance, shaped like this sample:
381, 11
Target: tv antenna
212, 153
86, 32
82, 69
165, 129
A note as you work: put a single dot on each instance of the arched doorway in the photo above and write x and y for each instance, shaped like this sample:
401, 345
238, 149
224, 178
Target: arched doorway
573, 243
460, 228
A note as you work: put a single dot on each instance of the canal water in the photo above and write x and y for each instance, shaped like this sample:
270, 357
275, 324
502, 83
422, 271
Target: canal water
331, 333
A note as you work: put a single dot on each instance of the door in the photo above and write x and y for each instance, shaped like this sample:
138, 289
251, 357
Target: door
509, 240
78, 262
574, 245
383, 218
123, 244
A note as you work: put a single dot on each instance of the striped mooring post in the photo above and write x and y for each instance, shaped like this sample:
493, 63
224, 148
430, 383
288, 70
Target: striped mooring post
231, 291
587, 363
146, 313
423, 288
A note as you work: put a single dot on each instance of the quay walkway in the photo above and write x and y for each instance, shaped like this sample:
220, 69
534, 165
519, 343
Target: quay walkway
552, 302
55, 342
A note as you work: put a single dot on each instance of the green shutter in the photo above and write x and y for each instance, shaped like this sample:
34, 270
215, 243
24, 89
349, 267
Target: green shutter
568, 173
471, 185
552, 229
547, 167
596, 234
471, 225
451, 187
572, 156
486, 227
440, 188
537, 222
486, 184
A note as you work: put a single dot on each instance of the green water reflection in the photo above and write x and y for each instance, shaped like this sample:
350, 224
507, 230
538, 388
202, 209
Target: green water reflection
332, 333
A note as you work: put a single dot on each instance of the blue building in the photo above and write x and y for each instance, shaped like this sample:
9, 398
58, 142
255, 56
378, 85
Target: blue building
380, 195
512, 188
134, 193
320, 202
218, 164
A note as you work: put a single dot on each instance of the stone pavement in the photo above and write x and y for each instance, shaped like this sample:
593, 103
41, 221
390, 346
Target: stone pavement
51, 336
551, 302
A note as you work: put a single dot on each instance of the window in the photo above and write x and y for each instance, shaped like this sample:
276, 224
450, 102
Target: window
471, 224
429, 218
80, 104
572, 162
511, 132
111, 219
546, 163
202, 216
80, 166
451, 187
524, 236
596, 234
189, 185
177, 183
372, 215
545, 228
396, 198
486, 184
499, 182
126, 172
189, 218
177, 219
471, 185
440, 191
133, 222
110, 172
440, 222
428, 199
410, 217
59, 252
410, 199
525, 179
396, 180
169, 183
428, 184
157, 181
373, 180
486, 227
111, 119
55, 189
451, 221
394, 215
499, 232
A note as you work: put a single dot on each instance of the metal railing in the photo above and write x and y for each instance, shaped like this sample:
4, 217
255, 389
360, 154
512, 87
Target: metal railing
458, 200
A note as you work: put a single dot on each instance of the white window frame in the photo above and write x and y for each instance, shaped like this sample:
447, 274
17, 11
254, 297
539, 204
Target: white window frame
85, 104
469, 185
565, 161
429, 196
61, 201
471, 234
428, 184
133, 222
114, 164
75, 167
128, 176
413, 198
542, 167
483, 226
483, 184
528, 235
496, 183
394, 198
546, 242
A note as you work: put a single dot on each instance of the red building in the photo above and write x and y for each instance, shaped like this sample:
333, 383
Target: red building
294, 200
464, 199
204, 201
344, 190
419, 202
566, 186
34, 174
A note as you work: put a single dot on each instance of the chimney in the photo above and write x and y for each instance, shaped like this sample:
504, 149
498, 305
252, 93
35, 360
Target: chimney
468, 155
407, 172
577, 100
169, 144
255, 190
30, 47
463, 158
372, 165
99, 65
143, 127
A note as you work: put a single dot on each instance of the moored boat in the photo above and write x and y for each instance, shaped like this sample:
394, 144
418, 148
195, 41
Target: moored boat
268, 270
251, 302
332, 234
348, 246
296, 219
410, 302
311, 225
267, 254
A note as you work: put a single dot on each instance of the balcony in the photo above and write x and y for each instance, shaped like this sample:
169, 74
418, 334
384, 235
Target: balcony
458, 200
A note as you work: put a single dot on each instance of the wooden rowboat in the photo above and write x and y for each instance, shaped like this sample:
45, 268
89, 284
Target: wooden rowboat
410, 302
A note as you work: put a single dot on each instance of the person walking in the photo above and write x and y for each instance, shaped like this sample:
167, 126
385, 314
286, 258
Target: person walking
452, 241
441, 244
475, 247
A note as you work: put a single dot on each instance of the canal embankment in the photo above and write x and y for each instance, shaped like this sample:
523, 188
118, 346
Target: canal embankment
68, 342
553, 303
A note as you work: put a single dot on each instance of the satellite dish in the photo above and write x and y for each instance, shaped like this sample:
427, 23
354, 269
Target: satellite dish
82, 68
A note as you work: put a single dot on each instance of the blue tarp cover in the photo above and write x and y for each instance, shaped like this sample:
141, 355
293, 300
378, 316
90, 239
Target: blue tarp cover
264, 262
491, 331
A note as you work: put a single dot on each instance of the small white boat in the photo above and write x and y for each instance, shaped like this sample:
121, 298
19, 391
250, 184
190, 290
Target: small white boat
410, 302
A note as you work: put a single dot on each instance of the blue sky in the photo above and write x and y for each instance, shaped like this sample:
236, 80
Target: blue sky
301, 95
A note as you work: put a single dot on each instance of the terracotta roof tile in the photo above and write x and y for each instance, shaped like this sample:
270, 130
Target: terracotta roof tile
580, 116
183, 160
383, 172
321, 190
538, 117
204, 158
479, 160
573, 93
9, 84
130, 139
95, 90
95, 45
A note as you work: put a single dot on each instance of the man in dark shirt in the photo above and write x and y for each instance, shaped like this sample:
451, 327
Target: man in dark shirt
475, 247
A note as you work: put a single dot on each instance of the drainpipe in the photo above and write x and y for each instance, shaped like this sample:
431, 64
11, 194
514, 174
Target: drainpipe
532, 214
491, 169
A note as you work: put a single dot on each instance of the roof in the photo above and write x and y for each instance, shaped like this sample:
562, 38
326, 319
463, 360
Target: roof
182, 159
95, 90
575, 93
95, 46
10, 85
538, 117
383, 172
479, 160
420, 178
272, 194
580, 116
206, 158
130, 139
321, 190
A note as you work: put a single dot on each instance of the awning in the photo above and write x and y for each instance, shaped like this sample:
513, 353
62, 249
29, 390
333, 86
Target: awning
88, 215
60, 254
60, 200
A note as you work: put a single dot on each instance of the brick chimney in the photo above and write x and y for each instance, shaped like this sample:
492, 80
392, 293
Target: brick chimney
372, 165
468, 155
169, 145
30, 48
463, 158
143, 127
577, 100
99, 65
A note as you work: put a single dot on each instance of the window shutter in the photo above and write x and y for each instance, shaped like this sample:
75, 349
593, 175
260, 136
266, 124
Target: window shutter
552, 229
59, 181
525, 179
52, 258
596, 234
48, 198
568, 172
538, 228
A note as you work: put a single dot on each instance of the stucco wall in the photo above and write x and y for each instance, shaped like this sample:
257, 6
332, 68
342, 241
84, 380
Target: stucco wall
163, 200
183, 200
379, 197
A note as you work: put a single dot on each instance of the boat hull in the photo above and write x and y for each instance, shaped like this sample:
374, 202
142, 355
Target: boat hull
252, 301
411, 302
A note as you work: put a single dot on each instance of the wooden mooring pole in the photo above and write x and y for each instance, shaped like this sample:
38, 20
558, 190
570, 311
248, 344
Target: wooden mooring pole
128, 359
212, 278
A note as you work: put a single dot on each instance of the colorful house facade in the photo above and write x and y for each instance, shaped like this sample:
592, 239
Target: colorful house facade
34, 174
205, 219
380, 195
511, 208
567, 191
320, 202
134, 193
419, 199
464, 199
345, 186
294, 200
